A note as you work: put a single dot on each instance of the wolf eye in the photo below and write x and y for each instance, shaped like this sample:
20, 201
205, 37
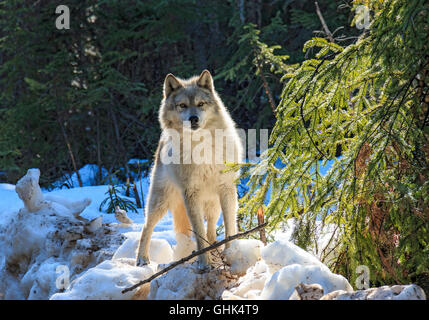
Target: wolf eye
200, 104
182, 105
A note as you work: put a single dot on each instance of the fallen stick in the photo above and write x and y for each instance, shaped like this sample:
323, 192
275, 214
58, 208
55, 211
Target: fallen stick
192, 255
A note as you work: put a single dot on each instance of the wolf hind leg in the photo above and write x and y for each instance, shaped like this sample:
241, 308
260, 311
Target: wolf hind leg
212, 213
180, 218
229, 205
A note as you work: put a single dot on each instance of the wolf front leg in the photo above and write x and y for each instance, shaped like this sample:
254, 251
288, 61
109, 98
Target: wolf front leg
229, 205
194, 208
156, 208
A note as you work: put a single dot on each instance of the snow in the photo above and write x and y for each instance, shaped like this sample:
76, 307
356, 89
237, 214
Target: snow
184, 247
251, 284
160, 251
283, 267
88, 175
64, 228
397, 292
242, 254
281, 253
106, 281
282, 284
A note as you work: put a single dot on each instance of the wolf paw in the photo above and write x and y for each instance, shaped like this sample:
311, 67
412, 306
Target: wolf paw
141, 262
203, 268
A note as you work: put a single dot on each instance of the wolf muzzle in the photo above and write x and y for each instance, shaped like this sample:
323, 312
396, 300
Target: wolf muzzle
194, 122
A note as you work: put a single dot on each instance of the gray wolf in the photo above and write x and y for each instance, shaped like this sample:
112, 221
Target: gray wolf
193, 190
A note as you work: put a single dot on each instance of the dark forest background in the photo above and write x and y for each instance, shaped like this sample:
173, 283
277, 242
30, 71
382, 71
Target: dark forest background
91, 94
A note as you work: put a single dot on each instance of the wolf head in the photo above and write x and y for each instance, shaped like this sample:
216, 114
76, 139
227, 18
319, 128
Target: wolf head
191, 103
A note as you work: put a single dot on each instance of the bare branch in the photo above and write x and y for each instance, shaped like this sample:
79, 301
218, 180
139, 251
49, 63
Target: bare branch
324, 25
192, 255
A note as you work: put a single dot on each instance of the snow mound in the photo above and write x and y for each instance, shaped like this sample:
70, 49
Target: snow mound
187, 282
282, 283
250, 285
106, 281
282, 253
44, 235
160, 251
242, 254
184, 247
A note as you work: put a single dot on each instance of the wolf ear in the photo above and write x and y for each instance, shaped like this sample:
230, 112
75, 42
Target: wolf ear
205, 80
171, 83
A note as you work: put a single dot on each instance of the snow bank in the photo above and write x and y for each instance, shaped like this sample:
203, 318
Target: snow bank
106, 281
282, 283
283, 267
250, 285
283, 253
44, 235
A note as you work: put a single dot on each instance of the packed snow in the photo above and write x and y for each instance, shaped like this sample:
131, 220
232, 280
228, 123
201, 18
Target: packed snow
58, 245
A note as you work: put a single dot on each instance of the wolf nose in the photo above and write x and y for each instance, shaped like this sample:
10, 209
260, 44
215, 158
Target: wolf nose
194, 120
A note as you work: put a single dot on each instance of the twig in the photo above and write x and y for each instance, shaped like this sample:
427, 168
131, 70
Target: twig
267, 90
136, 195
324, 25
262, 230
192, 255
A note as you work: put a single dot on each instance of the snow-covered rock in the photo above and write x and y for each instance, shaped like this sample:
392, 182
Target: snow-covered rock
106, 281
282, 283
398, 292
243, 254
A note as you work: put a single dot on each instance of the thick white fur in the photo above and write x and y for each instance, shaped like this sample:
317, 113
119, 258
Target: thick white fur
192, 192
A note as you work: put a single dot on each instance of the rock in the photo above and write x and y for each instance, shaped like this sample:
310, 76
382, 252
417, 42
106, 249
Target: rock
397, 292
307, 292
